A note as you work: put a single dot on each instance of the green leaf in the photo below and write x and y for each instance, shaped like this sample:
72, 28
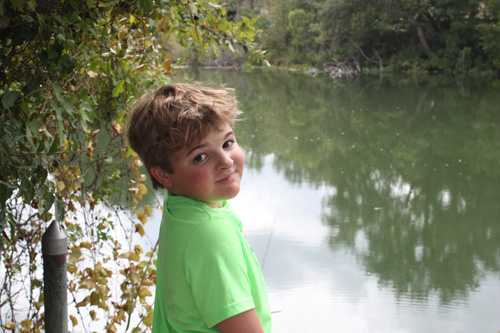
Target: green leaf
119, 88
9, 99
31, 5
60, 209
145, 5
62, 100
59, 110
5, 193
46, 200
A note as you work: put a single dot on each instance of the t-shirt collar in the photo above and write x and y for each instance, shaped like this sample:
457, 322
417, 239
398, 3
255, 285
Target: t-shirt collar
186, 208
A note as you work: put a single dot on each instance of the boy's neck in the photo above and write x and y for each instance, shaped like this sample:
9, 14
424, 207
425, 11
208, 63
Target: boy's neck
215, 204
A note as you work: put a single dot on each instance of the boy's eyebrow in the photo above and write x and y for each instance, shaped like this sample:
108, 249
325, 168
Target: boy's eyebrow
228, 134
194, 148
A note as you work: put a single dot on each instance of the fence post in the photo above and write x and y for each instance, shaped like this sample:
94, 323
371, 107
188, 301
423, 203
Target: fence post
54, 250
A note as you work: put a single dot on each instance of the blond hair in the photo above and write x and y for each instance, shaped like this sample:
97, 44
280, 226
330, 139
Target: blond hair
177, 116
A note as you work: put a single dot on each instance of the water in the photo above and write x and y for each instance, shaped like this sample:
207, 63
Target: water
372, 207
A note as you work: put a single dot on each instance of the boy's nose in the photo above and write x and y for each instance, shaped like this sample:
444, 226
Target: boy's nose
226, 160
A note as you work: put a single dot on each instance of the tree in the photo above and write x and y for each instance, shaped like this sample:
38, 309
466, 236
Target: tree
302, 35
447, 37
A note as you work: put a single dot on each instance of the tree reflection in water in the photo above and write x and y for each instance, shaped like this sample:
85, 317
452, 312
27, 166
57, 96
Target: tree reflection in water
415, 171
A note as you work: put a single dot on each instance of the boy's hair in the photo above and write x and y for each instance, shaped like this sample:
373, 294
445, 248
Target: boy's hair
177, 116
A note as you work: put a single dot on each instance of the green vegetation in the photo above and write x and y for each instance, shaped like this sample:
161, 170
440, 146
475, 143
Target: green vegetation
436, 37
69, 71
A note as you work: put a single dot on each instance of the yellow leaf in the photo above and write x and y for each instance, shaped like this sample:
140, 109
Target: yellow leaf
139, 229
36, 283
142, 190
163, 25
9, 325
117, 128
148, 210
123, 33
111, 328
87, 284
141, 217
133, 256
72, 268
67, 143
103, 291
144, 292
167, 66
86, 245
138, 249
46, 216
75, 254
60, 186
93, 315
26, 324
148, 321
73, 319
121, 315
94, 298
90, 149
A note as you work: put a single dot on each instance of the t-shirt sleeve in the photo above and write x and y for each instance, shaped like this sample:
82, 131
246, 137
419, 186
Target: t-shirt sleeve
218, 278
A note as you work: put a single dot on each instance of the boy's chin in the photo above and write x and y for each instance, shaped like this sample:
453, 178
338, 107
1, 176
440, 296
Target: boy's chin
228, 194
233, 192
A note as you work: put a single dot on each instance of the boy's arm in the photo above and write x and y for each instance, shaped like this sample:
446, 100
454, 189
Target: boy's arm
245, 322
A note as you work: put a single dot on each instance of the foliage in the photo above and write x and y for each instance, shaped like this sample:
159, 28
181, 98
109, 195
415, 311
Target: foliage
449, 37
300, 26
69, 71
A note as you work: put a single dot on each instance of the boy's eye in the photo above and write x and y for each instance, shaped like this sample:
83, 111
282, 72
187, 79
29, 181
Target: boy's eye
200, 158
228, 144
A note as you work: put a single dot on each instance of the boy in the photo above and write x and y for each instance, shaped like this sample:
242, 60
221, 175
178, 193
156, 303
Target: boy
208, 279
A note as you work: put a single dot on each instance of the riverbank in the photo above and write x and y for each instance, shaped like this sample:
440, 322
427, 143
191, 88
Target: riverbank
388, 75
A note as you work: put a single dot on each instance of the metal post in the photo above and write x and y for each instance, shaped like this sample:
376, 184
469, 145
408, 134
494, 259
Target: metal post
54, 250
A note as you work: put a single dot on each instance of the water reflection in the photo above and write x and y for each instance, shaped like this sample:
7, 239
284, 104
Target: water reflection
415, 172
317, 288
407, 178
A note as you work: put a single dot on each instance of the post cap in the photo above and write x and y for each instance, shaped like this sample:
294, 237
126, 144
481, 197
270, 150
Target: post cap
54, 241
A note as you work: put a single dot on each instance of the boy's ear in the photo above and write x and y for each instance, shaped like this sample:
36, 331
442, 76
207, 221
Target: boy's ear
161, 176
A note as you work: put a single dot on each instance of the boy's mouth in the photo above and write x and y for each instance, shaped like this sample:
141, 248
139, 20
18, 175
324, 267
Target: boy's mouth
227, 177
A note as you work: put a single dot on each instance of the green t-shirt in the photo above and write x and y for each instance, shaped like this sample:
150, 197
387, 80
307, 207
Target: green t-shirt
206, 271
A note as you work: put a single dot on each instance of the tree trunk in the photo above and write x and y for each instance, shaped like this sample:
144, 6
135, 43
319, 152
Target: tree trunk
423, 41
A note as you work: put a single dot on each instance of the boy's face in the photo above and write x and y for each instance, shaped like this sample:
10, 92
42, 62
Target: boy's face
210, 170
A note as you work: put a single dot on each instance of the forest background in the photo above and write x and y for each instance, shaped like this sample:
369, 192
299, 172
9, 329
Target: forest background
71, 69
442, 37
